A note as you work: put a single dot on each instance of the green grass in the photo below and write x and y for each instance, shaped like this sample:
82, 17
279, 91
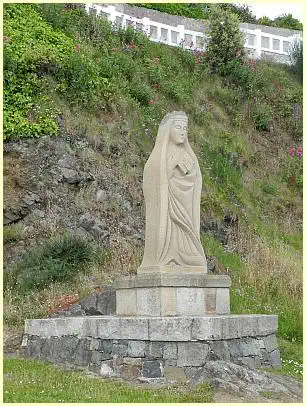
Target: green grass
263, 294
34, 381
12, 233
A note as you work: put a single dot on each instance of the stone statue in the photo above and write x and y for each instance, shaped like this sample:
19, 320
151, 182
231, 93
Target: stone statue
172, 185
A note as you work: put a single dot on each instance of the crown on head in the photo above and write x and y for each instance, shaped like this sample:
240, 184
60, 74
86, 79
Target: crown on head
175, 115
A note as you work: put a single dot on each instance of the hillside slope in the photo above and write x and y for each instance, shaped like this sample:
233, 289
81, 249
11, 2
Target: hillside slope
82, 108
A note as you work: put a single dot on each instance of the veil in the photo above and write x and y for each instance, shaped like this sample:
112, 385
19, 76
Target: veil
155, 188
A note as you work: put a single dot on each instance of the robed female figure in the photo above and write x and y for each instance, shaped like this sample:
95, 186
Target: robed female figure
172, 185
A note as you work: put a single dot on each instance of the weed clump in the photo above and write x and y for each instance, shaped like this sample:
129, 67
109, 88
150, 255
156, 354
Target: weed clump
58, 260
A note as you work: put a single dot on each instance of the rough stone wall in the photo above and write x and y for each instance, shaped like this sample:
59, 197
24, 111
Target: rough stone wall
271, 56
191, 23
150, 359
163, 18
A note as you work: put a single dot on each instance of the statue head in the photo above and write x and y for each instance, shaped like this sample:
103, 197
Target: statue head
177, 122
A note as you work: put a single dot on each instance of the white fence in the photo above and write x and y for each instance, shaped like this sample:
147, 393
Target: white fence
258, 42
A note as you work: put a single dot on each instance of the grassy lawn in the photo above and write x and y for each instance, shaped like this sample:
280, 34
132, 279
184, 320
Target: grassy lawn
34, 381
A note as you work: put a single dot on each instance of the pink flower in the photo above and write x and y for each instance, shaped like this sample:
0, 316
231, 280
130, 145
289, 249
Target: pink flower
300, 152
151, 101
292, 151
78, 48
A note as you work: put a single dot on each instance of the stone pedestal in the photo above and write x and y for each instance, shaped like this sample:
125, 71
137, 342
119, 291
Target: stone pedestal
150, 347
166, 293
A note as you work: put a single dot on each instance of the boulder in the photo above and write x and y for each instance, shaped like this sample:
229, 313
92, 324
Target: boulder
248, 382
94, 226
100, 303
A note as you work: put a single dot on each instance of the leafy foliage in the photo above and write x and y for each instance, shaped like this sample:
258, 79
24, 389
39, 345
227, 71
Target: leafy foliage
56, 261
225, 43
242, 11
284, 21
179, 9
296, 57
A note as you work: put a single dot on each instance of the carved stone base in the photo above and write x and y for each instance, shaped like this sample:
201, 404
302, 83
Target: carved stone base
171, 269
151, 346
173, 294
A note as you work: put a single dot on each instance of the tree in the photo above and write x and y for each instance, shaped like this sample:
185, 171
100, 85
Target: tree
288, 21
226, 42
265, 21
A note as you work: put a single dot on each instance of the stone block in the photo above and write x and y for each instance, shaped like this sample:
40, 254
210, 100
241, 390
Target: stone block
126, 302
128, 371
104, 327
219, 350
137, 348
192, 354
133, 361
170, 362
24, 342
66, 347
47, 350
106, 369
210, 300
198, 280
148, 301
270, 342
97, 357
249, 325
121, 348
34, 348
275, 359
190, 301
233, 328
207, 328
250, 347
267, 324
133, 329
95, 344
257, 362
82, 356
156, 349
152, 369
106, 347
168, 301
170, 329
170, 350
223, 301
46, 328
235, 348
176, 374
124, 282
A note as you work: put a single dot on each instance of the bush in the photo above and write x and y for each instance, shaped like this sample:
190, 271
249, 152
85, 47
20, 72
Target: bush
296, 58
141, 92
32, 49
57, 261
262, 116
225, 43
12, 233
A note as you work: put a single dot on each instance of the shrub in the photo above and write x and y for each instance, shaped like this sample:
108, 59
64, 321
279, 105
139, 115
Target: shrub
12, 233
33, 49
296, 58
141, 92
225, 43
262, 116
58, 260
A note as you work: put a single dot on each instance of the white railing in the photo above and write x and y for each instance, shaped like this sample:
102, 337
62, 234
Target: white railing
256, 39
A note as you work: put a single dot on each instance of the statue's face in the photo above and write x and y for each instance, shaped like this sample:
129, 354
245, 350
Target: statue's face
178, 131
